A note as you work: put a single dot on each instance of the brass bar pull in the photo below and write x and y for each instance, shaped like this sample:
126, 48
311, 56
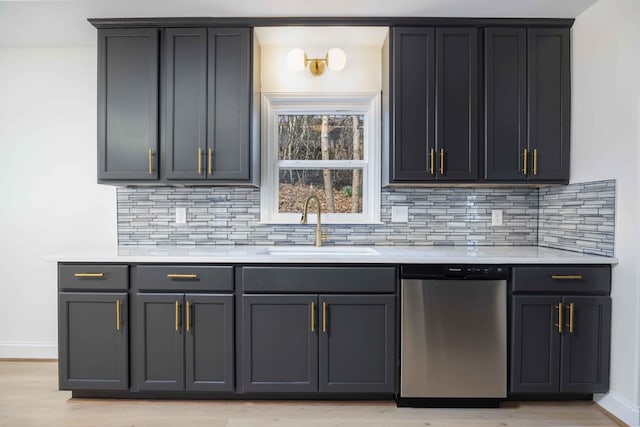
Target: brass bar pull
525, 161
92, 275
570, 318
150, 161
210, 162
566, 277
313, 317
559, 324
188, 316
199, 161
432, 161
442, 161
177, 315
324, 317
118, 321
535, 161
182, 276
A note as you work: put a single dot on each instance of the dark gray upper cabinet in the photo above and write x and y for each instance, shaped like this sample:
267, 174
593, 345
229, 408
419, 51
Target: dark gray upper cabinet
527, 104
435, 104
93, 341
128, 104
357, 336
207, 106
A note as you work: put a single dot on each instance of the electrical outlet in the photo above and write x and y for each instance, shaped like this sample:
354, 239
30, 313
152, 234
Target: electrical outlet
496, 217
399, 213
181, 215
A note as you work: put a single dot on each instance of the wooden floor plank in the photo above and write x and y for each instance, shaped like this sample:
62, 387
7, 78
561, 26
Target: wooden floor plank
29, 396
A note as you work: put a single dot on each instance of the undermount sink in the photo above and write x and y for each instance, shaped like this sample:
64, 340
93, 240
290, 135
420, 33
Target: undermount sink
324, 250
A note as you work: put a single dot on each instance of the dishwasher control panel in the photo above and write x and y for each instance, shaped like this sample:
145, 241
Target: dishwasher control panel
468, 271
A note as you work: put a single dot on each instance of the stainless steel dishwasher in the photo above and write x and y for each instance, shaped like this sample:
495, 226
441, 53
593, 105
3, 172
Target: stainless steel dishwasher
453, 333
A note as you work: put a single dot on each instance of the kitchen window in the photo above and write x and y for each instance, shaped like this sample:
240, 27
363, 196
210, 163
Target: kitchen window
326, 145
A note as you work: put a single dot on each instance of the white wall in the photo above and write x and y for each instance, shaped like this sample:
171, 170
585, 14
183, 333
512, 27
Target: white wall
361, 74
605, 144
49, 199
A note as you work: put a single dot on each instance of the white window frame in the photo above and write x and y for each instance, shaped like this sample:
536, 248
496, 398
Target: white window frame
365, 103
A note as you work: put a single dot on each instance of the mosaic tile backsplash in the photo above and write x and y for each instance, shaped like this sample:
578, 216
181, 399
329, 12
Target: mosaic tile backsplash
578, 217
437, 216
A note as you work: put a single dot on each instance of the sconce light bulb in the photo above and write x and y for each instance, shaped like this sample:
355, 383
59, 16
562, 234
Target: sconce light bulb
336, 59
296, 59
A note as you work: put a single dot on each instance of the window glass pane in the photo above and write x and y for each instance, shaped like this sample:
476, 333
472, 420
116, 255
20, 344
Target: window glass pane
344, 194
320, 137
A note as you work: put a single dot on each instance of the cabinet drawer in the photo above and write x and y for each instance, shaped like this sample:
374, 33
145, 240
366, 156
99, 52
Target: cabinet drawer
184, 278
319, 279
93, 277
577, 279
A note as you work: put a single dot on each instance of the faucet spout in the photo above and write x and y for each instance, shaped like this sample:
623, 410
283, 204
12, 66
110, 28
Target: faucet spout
305, 212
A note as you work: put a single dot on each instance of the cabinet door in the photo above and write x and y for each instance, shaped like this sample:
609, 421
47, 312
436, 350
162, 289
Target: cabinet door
160, 358
586, 346
357, 343
209, 364
535, 345
505, 103
413, 104
280, 343
457, 103
185, 136
128, 104
229, 88
549, 103
93, 350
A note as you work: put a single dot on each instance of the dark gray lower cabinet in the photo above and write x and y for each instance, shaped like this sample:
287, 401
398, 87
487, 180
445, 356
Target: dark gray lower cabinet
93, 341
311, 343
186, 342
560, 344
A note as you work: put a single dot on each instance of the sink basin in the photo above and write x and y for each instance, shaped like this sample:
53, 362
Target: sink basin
325, 250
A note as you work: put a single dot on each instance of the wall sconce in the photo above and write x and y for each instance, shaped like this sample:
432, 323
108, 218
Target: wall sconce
335, 60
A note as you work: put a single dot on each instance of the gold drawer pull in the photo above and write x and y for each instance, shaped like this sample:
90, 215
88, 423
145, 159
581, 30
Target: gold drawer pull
91, 275
535, 161
188, 315
313, 317
210, 162
432, 161
525, 153
177, 315
571, 318
442, 161
199, 161
566, 277
182, 276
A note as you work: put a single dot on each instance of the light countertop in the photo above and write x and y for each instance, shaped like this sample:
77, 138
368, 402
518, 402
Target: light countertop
332, 254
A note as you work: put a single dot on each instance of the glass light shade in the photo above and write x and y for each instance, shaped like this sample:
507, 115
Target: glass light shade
336, 59
296, 59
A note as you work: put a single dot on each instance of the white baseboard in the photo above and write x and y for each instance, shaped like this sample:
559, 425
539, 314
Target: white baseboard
28, 350
619, 407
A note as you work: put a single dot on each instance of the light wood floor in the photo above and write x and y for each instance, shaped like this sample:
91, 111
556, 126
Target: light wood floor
29, 396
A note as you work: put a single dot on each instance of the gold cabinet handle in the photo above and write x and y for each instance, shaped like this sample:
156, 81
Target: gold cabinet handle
210, 162
525, 161
324, 317
535, 161
188, 315
177, 315
89, 275
432, 161
118, 315
150, 161
181, 276
442, 161
199, 161
570, 318
559, 324
313, 317
566, 277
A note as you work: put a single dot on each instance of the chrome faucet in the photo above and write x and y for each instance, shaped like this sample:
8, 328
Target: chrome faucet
303, 220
